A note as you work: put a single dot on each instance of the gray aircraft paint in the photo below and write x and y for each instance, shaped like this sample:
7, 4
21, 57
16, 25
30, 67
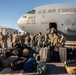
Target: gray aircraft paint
64, 15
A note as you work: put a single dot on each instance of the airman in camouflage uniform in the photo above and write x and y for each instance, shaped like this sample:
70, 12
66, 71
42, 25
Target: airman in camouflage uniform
39, 39
1, 39
56, 39
14, 38
52, 40
46, 41
5, 40
23, 38
62, 40
27, 39
52, 31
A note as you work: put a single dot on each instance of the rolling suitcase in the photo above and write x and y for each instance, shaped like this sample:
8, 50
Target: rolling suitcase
37, 49
63, 54
44, 54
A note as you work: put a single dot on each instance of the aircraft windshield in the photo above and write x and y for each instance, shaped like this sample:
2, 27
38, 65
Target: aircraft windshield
24, 16
31, 12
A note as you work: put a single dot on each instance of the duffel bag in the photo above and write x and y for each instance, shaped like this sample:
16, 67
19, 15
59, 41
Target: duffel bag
17, 52
18, 64
30, 64
44, 54
41, 67
7, 62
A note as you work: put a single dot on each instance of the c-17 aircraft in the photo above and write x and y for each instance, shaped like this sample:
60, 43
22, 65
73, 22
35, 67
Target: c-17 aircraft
60, 16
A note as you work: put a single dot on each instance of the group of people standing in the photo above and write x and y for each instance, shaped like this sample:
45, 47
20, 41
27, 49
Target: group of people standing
51, 39
7, 41
36, 40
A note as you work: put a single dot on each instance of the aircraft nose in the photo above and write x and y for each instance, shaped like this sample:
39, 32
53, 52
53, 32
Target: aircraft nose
19, 22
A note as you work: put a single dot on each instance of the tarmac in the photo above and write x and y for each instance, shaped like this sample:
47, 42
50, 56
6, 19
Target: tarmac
52, 69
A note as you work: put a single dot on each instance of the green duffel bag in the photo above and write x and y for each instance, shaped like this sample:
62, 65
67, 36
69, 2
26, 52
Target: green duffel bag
41, 67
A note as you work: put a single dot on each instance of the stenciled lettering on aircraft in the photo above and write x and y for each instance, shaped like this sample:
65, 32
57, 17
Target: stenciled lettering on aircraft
57, 10
52, 11
31, 20
44, 11
43, 16
47, 11
31, 17
67, 10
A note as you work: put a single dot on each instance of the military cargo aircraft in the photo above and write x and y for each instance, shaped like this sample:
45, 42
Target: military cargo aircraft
60, 16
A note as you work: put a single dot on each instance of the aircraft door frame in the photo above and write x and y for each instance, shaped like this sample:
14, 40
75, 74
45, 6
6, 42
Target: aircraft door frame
53, 24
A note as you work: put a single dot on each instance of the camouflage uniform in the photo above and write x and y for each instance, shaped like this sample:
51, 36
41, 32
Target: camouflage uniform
14, 39
46, 41
52, 40
52, 31
5, 40
34, 41
1, 41
62, 40
55, 39
27, 40
22, 38
19, 37
39, 40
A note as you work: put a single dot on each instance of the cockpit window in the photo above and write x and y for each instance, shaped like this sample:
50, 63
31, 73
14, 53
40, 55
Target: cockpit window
31, 12
24, 16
